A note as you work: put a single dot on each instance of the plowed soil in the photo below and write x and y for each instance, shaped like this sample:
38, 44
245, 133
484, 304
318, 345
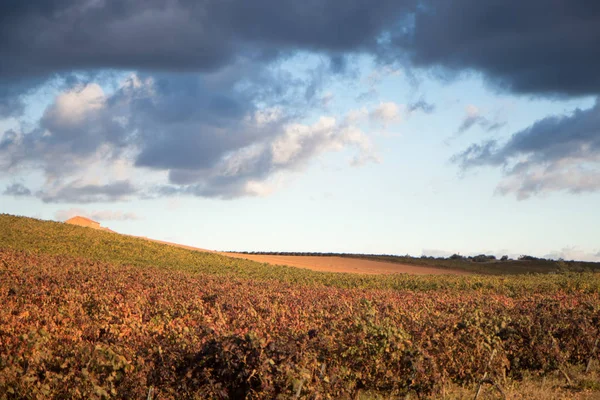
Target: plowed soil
333, 264
346, 264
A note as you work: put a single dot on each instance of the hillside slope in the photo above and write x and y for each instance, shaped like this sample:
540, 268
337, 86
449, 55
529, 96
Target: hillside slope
53, 238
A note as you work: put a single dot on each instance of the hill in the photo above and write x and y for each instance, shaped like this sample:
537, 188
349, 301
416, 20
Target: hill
92, 314
30, 234
54, 238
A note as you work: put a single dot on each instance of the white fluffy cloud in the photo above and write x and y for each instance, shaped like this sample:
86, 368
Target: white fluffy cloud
529, 179
300, 142
75, 105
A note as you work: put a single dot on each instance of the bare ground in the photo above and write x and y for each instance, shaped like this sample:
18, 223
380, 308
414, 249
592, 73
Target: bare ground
332, 264
344, 264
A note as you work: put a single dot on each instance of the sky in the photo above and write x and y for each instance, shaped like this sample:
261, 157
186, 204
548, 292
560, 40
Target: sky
421, 127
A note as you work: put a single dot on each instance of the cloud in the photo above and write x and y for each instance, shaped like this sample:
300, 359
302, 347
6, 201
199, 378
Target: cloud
386, 112
327, 99
99, 215
71, 108
421, 105
205, 134
246, 172
183, 35
524, 47
573, 253
375, 78
533, 180
555, 153
532, 47
474, 117
11, 98
76, 193
17, 190
436, 253
204, 72
72, 129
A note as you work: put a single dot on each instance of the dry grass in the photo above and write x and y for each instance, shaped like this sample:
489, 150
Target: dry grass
555, 386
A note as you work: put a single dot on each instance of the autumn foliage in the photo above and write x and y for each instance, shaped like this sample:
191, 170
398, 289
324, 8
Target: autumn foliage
76, 328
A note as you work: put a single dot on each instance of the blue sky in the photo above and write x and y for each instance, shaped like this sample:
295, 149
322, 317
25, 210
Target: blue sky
306, 151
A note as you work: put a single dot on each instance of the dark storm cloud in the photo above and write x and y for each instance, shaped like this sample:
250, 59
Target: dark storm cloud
534, 47
181, 128
17, 190
43, 37
11, 100
13, 92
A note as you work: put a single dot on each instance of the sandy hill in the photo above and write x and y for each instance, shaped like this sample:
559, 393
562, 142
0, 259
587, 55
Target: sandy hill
86, 222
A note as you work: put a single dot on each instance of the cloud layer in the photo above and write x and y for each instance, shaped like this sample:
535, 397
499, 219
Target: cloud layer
528, 47
176, 35
210, 109
534, 47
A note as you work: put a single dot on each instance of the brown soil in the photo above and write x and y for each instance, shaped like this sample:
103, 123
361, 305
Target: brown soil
332, 264
344, 264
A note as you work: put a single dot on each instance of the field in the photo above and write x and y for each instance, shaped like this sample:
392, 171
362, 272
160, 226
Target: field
91, 314
490, 267
347, 264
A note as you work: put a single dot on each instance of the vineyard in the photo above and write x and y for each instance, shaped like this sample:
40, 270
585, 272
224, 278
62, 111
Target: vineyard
89, 314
